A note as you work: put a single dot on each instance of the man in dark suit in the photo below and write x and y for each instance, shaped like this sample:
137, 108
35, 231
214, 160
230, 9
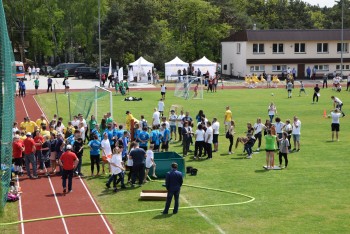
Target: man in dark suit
173, 183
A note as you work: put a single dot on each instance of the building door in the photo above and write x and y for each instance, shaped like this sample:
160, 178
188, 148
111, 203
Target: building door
231, 69
301, 71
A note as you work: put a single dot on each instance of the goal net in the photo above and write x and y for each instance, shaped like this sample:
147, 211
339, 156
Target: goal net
191, 87
96, 101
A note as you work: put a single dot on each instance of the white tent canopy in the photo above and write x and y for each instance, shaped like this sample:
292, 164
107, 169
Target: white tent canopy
140, 68
205, 65
173, 66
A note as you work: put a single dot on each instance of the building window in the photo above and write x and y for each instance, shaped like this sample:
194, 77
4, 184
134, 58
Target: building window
345, 47
225, 67
322, 47
299, 47
322, 67
238, 48
258, 48
279, 68
257, 68
277, 48
345, 67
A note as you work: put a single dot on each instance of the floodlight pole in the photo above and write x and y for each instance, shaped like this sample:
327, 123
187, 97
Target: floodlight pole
342, 38
99, 41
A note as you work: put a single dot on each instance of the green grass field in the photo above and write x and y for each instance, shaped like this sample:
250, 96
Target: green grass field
308, 197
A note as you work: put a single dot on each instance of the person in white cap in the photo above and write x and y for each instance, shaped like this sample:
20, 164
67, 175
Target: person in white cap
68, 162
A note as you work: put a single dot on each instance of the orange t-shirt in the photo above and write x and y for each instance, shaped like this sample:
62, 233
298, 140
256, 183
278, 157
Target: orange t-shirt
17, 149
68, 159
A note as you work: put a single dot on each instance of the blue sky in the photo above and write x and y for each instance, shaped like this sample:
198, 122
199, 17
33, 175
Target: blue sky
321, 3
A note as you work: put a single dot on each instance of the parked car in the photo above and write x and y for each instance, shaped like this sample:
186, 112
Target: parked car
44, 70
58, 71
86, 72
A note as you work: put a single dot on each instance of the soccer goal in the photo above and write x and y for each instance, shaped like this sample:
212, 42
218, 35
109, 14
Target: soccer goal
190, 88
97, 101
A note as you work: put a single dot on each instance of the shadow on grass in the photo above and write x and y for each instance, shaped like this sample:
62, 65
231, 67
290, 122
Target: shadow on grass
244, 157
162, 216
261, 171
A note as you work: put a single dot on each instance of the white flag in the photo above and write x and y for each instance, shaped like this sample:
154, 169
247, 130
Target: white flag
120, 74
110, 68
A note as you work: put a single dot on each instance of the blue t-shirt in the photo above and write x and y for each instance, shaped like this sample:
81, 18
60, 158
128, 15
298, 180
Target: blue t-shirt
125, 141
120, 133
155, 134
166, 135
95, 132
110, 136
95, 147
71, 139
144, 136
137, 133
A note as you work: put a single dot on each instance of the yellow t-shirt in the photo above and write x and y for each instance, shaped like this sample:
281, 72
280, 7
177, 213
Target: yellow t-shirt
54, 132
47, 133
39, 121
30, 126
22, 126
129, 117
228, 116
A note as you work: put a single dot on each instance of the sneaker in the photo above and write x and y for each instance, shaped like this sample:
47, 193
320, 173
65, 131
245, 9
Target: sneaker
154, 176
115, 190
293, 149
298, 150
249, 156
64, 191
35, 177
108, 186
229, 152
70, 191
123, 187
258, 149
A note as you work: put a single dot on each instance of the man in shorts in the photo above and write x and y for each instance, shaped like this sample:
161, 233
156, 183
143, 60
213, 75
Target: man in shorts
36, 85
335, 123
228, 118
216, 127
165, 137
172, 120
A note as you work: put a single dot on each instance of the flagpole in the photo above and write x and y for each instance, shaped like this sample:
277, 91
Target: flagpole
99, 41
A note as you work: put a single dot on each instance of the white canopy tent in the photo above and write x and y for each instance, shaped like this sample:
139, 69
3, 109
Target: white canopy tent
204, 65
173, 66
140, 69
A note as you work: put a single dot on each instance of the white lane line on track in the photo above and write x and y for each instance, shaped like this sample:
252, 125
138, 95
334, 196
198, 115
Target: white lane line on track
20, 207
211, 222
88, 192
52, 188
93, 201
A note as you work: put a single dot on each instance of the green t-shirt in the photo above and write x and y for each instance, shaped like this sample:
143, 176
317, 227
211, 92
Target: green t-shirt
92, 124
270, 142
109, 120
36, 82
66, 73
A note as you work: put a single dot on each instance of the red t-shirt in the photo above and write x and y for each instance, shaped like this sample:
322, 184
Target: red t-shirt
17, 149
28, 145
68, 159
38, 139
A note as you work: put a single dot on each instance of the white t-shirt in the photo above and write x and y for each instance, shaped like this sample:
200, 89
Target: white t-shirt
179, 120
29, 70
150, 156
37, 70
160, 106
84, 122
258, 127
14, 130
337, 101
216, 127
156, 115
199, 135
82, 132
272, 110
163, 89
279, 126
75, 122
207, 133
296, 127
167, 124
172, 119
116, 159
105, 145
130, 162
335, 117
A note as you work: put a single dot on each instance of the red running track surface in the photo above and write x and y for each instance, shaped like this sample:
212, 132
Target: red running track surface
43, 197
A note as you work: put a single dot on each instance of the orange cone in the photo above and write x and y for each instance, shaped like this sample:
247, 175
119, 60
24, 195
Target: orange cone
325, 114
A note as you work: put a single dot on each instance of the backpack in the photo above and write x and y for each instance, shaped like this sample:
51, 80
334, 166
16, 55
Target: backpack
64, 82
144, 124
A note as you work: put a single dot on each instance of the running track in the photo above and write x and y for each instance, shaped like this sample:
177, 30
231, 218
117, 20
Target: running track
43, 197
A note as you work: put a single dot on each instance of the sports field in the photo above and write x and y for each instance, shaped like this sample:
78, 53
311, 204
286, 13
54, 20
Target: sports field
308, 197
